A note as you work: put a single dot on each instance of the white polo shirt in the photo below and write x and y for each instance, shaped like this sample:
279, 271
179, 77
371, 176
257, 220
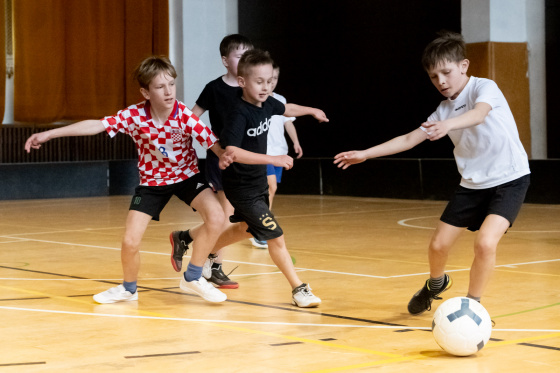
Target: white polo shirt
488, 154
276, 143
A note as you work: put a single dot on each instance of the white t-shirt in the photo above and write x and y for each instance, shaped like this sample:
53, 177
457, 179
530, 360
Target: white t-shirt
276, 142
488, 154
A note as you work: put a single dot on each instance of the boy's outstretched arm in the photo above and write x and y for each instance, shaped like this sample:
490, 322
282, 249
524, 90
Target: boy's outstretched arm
244, 156
291, 130
83, 128
473, 117
393, 146
293, 110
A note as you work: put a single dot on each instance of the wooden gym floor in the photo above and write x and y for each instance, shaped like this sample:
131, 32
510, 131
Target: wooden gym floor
364, 257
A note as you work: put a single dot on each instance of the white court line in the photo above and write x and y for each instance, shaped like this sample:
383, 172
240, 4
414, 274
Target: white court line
256, 322
404, 223
303, 269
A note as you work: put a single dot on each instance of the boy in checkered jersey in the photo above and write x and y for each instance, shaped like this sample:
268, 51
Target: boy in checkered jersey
163, 130
245, 181
217, 97
493, 165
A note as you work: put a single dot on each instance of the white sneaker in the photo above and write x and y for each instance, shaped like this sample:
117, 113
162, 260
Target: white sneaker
303, 297
204, 289
259, 244
207, 267
116, 294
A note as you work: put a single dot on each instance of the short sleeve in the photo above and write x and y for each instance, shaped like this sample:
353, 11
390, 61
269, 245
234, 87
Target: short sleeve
205, 98
487, 91
232, 134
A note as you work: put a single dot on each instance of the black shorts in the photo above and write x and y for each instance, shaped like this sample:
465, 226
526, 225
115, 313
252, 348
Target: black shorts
213, 172
253, 209
152, 199
469, 207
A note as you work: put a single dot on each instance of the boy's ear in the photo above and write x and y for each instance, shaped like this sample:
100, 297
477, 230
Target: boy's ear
145, 93
241, 81
465, 66
224, 61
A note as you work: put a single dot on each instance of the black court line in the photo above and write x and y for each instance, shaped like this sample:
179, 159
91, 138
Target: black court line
327, 339
159, 355
166, 290
286, 344
540, 346
12, 299
18, 364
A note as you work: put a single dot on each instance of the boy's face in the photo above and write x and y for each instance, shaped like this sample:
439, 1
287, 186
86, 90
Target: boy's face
275, 74
232, 59
256, 85
449, 77
161, 92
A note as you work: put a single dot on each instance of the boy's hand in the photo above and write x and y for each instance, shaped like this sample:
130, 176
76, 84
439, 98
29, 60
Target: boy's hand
435, 130
35, 140
284, 161
319, 115
345, 159
298, 150
227, 158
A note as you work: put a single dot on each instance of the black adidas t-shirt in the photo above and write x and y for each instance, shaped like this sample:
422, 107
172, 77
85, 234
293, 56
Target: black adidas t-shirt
248, 129
218, 98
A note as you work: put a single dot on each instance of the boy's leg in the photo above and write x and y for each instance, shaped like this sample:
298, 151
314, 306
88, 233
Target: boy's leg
442, 240
205, 237
136, 224
301, 293
486, 242
272, 187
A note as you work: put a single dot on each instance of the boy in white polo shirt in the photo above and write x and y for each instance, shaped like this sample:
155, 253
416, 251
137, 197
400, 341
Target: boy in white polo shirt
490, 158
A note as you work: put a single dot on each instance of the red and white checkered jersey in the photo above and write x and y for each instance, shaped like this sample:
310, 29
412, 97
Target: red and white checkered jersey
165, 153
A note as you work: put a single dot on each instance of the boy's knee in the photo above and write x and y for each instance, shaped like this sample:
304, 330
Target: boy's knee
215, 219
131, 243
484, 247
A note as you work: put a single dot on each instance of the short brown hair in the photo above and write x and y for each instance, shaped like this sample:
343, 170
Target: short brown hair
449, 46
252, 58
233, 42
151, 67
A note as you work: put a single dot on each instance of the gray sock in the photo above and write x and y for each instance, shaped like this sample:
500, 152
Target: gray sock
436, 283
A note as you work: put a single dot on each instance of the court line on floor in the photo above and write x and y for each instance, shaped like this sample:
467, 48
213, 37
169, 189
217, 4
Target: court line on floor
404, 223
298, 268
267, 323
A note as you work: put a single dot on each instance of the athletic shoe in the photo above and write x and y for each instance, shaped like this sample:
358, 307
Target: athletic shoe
303, 297
178, 249
202, 288
422, 300
114, 295
259, 244
220, 280
207, 267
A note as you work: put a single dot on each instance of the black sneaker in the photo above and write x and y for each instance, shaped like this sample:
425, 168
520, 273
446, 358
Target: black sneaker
422, 300
220, 280
178, 249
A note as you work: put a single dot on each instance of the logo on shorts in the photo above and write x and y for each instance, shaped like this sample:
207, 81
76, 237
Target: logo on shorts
199, 185
136, 200
268, 222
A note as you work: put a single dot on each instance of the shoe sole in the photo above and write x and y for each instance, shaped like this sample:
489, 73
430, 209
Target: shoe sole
116, 301
310, 305
229, 286
173, 263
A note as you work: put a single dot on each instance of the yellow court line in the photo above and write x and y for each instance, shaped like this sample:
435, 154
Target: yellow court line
229, 327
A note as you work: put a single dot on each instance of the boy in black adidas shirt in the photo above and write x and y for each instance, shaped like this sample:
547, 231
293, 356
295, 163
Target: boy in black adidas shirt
245, 182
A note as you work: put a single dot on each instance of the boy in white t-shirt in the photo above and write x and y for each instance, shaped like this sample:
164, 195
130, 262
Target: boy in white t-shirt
490, 158
277, 145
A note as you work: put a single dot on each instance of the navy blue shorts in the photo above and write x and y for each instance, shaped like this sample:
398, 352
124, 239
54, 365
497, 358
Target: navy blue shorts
253, 209
213, 172
273, 170
469, 207
152, 199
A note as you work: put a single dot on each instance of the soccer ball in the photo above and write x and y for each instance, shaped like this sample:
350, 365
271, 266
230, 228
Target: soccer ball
461, 326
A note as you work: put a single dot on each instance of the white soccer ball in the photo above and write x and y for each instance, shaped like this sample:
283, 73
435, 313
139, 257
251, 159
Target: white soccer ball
461, 326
